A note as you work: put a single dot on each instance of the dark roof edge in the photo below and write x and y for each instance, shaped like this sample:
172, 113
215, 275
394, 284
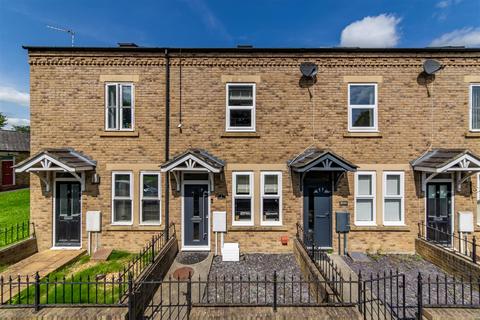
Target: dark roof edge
255, 50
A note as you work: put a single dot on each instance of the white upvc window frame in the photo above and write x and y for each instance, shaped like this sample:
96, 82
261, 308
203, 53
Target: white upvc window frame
374, 106
271, 196
157, 198
372, 197
252, 108
243, 196
120, 223
470, 109
118, 106
400, 197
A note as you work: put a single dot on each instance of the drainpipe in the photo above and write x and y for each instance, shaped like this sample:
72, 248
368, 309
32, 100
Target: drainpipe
167, 141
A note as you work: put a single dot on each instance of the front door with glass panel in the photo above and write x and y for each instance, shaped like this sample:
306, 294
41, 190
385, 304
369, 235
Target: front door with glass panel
439, 212
67, 214
318, 212
195, 215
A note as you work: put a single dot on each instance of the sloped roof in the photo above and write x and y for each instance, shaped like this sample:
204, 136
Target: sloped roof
67, 156
439, 158
14, 141
312, 156
200, 154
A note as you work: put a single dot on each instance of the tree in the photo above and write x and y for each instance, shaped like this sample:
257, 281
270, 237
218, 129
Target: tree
3, 120
25, 129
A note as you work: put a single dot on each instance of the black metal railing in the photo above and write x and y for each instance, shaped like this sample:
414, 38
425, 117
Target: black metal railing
148, 254
15, 233
462, 244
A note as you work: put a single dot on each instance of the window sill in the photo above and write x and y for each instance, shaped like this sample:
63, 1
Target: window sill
133, 228
362, 135
123, 134
373, 228
257, 228
472, 134
248, 135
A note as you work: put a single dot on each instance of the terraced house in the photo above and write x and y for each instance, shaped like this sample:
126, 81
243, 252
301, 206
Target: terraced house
151, 136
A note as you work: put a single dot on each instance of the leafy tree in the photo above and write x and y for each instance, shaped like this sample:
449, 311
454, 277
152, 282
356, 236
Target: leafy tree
25, 129
3, 120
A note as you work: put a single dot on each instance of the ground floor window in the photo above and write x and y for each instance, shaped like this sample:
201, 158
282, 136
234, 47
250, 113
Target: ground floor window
242, 198
393, 198
122, 185
150, 198
365, 198
271, 198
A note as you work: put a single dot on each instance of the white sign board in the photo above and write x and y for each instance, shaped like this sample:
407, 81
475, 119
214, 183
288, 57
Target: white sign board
465, 221
93, 221
219, 221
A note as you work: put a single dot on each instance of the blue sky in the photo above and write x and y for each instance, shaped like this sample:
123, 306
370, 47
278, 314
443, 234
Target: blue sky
217, 23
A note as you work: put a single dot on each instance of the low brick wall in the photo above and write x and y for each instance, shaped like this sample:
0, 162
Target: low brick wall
448, 261
451, 314
309, 269
73, 313
18, 251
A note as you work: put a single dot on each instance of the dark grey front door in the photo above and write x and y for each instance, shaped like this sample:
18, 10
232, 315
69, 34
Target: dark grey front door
439, 212
195, 214
67, 214
318, 211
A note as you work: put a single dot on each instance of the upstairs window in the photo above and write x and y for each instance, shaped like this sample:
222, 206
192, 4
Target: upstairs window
362, 107
240, 107
393, 198
271, 202
122, 204
119, 108
242, 198
475, 107
365, 198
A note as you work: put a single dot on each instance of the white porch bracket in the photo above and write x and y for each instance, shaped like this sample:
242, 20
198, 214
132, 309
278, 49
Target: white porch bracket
44, 178
426, 179
178, 177
80, 178
212, 181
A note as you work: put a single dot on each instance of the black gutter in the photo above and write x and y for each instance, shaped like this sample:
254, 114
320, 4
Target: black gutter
255, 50
167, 142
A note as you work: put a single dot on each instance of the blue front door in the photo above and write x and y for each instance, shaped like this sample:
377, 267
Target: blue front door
318, 210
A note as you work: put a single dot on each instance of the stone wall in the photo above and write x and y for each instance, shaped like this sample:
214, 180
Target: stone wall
18, 251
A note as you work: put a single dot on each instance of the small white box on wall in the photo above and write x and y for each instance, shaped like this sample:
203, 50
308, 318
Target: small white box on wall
465, 221
93, 221
219, 221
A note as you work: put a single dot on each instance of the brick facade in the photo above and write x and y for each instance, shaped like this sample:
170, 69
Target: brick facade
67, 110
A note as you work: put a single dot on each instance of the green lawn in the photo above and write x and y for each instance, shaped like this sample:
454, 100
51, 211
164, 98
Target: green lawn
14, 207
82, 270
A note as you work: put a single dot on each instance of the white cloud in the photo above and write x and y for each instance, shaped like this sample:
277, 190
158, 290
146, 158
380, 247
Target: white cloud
372, 32
12, 95
446, 3
469, 37
17, 122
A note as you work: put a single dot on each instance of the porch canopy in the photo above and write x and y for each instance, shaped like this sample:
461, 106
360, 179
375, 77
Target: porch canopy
193, 160
315, 159
50, 161
460, 163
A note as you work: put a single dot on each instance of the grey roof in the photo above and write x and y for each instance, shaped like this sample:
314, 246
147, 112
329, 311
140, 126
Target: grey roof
200, 154
68, 156
312, 155
14, 141
438, 158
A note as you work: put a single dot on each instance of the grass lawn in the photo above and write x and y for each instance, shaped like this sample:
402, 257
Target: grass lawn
82, 270
14, 207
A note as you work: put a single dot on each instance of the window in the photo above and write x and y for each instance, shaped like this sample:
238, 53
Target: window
475, 107
122, 198
393, 198
271, 202
119, 99
242, 198
362, 107
150, 198
240, 107
365, 198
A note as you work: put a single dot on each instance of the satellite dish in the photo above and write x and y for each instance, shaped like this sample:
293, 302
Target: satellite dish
308, 69
431, 66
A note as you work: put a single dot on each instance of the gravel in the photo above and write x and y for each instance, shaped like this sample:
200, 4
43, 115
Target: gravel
253, 280
410, 266
191, 257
